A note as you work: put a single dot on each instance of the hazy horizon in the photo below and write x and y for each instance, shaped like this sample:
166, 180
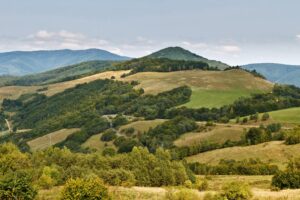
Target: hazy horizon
234, 32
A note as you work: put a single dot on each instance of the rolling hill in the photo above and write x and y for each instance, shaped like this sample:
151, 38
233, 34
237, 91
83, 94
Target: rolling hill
60, 74
178, 53
275, 152
209, 88
22, 62
278, 73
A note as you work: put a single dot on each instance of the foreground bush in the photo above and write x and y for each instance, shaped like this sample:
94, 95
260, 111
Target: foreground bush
82, 189
289, 178
17, 186
284, 180
182, 194
235, 191
292, 136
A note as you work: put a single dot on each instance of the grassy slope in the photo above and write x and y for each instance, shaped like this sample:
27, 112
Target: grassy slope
224, 97
143, 126
275, 152
60, 74
291, 115
14, 92
210, 88
56, 137
258, 184
218, 134
95, 143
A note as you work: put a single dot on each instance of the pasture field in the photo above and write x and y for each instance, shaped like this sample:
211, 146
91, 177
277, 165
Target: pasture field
259, 186
142, 126
50, 139
291, 115
60, 87
218, 134
13, 92
95, 143
216, 98
288, 117
275, 152
210, 88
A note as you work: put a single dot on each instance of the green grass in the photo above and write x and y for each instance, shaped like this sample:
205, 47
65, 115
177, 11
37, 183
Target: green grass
50, 139
216, 98
95, 143
218, 134
210, 88
275, 152
259, 185
142, 126
291, 115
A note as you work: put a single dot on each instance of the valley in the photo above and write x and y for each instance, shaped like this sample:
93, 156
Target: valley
129, 123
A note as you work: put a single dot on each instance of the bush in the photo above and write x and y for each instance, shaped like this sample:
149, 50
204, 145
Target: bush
118, 177
109, 151
292, 137
182, 194
81, 189
245, 120
49, 177
290, 179
236, 191
201, 185
127, 145
108, 135
128, 131
17, 187
265, 117
119, 120
258, 135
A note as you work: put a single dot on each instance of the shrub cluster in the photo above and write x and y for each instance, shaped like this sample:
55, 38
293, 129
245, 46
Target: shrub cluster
229, 167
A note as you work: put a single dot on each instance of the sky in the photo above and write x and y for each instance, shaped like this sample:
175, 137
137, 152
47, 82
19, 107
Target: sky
233, 31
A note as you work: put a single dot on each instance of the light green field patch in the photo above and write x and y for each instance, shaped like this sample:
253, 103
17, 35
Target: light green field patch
143, 126
275, 152
291, 115
95, 143
216, 98
51, 139
219, 134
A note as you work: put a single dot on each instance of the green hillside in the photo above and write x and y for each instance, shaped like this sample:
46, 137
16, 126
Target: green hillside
19, 63
275, 152
290, 115
61, 74
209, 88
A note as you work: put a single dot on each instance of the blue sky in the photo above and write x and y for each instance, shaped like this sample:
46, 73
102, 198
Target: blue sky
233, 31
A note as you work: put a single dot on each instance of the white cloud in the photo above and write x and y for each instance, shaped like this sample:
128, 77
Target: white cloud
230, 48
49, 40
137, 47
298, 36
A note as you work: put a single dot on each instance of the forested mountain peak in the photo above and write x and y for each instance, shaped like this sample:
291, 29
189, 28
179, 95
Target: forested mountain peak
179, 53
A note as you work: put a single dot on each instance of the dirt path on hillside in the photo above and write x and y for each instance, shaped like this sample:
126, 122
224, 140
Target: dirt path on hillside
8, 125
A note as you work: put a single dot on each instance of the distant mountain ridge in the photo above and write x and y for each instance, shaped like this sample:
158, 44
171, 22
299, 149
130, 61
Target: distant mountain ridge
278, 73
19, 63
178, 53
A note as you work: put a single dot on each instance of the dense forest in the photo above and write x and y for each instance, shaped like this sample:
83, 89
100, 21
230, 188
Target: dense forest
161, 65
